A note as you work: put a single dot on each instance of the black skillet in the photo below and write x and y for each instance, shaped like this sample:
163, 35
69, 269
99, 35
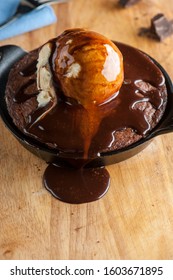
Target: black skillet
10, 54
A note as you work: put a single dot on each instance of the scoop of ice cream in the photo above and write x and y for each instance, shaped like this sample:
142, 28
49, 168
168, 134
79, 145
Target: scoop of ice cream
44, 76
88, 66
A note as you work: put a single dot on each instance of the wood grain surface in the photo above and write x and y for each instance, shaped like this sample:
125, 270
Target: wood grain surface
134, 220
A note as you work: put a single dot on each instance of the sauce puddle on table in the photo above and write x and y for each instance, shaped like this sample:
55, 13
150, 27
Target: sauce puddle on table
76, 186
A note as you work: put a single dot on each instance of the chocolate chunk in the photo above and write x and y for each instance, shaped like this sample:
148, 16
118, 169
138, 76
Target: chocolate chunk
160, 28
128, 3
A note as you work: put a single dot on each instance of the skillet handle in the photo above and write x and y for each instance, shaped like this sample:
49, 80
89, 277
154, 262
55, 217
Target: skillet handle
166, 123
166, 127
9, 54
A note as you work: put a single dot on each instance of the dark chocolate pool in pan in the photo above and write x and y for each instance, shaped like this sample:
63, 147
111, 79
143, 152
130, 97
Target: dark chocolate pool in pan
8, 56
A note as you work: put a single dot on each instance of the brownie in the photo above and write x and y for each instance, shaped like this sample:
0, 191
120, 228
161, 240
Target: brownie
131, 116
20, 111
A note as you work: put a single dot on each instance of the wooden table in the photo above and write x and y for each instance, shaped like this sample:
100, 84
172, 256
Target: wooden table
135, 219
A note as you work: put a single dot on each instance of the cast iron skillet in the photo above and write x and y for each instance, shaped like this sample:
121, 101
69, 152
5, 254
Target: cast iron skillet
9, 54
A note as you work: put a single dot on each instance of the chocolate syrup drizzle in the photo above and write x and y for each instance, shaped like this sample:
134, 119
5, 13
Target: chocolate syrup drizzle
60, 127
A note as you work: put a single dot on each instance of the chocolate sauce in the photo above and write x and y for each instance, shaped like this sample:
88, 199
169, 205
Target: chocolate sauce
61, 125
76, 185
60, 128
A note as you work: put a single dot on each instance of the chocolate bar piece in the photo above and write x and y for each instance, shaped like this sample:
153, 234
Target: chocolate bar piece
160, 28
127, 3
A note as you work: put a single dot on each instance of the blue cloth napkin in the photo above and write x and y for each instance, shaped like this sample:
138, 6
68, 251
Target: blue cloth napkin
7, 9
35, 19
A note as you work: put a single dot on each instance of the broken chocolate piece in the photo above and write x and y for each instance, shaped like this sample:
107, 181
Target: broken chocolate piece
160, 28
128, 3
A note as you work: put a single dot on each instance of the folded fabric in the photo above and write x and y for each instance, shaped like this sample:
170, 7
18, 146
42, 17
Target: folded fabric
7, 9
35, 19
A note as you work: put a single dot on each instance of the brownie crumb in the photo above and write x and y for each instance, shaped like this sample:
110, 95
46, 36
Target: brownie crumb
128, 3
159, 29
